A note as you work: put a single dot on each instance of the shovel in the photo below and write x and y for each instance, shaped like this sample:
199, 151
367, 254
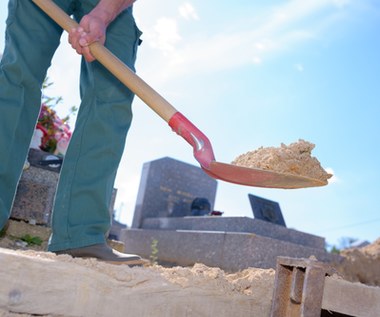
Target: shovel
202, 148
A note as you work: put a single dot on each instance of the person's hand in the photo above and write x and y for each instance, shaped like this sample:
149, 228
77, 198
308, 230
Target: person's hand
91, 29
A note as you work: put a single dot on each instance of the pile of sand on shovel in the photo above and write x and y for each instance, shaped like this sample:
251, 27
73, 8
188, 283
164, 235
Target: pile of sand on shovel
293, 159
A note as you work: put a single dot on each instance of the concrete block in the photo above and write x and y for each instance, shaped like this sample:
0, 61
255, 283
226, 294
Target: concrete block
351, 299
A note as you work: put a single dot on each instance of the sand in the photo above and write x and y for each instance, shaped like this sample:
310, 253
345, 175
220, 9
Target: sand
294, 158
361, 264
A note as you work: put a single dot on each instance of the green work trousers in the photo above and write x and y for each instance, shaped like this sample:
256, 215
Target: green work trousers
81, 208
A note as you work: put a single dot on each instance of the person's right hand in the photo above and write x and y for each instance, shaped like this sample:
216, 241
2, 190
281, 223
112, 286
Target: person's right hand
91, 29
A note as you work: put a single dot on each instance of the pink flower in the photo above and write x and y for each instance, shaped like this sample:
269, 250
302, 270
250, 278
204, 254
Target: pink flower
54, 129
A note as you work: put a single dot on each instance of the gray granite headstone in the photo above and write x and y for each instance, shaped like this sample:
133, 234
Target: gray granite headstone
36, 190
168, 187
267, 210
35, 195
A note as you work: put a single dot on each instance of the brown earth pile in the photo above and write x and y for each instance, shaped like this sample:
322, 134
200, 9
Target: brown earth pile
361, 264
294, 158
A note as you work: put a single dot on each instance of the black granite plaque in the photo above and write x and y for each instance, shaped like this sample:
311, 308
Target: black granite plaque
168, 187
265, 209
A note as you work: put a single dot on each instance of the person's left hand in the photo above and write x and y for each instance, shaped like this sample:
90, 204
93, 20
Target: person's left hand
91, 29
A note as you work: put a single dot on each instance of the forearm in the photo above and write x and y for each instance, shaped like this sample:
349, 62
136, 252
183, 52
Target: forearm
108, 10
93, 26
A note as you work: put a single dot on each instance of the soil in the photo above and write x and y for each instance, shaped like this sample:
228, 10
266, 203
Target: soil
361, 264
294, 158
17, 232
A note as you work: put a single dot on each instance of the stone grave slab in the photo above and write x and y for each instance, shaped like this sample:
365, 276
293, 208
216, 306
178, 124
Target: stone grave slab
235, 224
230, 251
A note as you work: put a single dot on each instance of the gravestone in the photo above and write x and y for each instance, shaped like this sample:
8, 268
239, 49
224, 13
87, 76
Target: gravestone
36, 190
163, 214
35, 195
267, 210
168, 188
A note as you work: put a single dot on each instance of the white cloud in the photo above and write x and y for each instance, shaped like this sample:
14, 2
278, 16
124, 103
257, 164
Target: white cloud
260, 46
127, 189
188, 12
341, 3
256, 60
164, 35
246, 41
334, 178
64, 74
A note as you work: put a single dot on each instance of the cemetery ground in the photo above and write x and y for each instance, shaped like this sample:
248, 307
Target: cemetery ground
62, 286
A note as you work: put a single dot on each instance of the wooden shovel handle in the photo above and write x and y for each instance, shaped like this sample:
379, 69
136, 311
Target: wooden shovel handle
202, 148
121, 71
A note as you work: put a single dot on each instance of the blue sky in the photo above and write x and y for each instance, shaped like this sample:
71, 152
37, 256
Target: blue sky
251, 74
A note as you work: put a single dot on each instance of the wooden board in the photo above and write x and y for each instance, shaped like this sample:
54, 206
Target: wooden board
352, 299
36, 285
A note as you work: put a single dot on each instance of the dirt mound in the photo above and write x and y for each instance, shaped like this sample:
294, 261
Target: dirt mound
372, 249
294, 158
361, 264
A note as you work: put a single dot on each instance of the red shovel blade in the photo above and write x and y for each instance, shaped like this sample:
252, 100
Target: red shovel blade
232, 173
258, 177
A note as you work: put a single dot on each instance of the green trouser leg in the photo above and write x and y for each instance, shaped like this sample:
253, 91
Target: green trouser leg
30, 42
81, 210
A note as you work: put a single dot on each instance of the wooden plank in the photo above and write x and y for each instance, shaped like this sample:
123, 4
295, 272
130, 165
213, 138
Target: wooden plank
44, 285
353, 299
